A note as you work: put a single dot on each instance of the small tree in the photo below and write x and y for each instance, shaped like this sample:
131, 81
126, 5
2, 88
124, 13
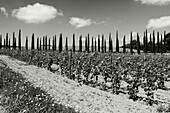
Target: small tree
73, 42
124, 44
80, 44
26, 43
19, 40
32, 43
60, 43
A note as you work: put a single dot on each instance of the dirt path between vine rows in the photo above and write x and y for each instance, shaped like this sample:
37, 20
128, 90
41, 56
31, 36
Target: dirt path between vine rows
82, 98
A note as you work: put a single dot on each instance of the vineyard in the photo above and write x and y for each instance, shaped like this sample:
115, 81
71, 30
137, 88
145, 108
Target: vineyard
141, 76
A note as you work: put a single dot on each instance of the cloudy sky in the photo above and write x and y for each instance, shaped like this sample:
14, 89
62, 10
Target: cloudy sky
50, 17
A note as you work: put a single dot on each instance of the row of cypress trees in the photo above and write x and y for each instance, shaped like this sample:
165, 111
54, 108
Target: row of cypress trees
45, 43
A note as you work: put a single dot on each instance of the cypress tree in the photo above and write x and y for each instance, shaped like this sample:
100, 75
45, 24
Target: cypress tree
138, 44
66, 46
80, 44
37, 43
124, 44
95, 46
92, 49
40, 44
88, 43
32, 43
73, 42
165, 46
161, 45
105, 46
102, 43
49, 45
110, 43
131, 46
19, 40
157, 42
4, 43
144, 43
55, 42
6, 40
154, 42
98, 43
46, 43
151, 44
0, 41
43, 42
26, 43
9, 44
117, 42
60, 43
14, 41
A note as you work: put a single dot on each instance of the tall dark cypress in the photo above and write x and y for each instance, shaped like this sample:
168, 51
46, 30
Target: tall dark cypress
144, 43
117, 42
38, 43
151, 44
98, 43
158, 42
92, 47
66, 46
110, 45
102, 43
0, 41
138, 44
60, 43
73, 42
19, 40
32, 43
46, 43
80, 44
131, 46
95, 45
124, 44
49, 44
6, 40
26, 43
165, 45
9, 44
161, 48
55, 42
4, 43
105, 46
43, 42
88, 43
13, 40
154, 42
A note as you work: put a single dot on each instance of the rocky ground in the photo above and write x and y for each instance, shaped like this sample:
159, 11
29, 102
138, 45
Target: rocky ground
82, 98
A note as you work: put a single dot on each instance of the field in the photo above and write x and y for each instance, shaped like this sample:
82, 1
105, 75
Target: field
140, 78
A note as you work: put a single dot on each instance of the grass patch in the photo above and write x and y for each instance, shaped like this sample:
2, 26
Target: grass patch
19, 96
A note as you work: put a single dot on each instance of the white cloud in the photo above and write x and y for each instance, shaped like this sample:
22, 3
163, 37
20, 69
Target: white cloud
36, 13
80, 22
3, 10
154, 2
159, 22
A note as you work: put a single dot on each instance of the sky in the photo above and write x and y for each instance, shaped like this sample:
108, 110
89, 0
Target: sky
96, 17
